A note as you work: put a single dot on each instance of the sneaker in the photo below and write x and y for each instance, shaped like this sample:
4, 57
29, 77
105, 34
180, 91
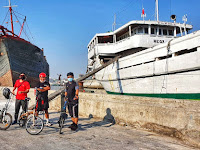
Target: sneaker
71, 125
14, 122
48, 124
74, 127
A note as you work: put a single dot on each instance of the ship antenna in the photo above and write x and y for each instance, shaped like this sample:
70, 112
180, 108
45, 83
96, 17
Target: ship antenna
114, 23
156, 11
11, 17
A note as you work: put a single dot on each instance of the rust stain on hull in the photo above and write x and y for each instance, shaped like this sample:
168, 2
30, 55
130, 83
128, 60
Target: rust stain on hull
10, 78
6, 80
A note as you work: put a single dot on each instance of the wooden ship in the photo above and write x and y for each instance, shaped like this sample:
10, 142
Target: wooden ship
19, 55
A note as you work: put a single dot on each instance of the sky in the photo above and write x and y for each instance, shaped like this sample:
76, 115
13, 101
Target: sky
65, 27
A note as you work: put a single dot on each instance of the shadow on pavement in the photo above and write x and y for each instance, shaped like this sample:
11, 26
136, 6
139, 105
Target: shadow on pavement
107, 121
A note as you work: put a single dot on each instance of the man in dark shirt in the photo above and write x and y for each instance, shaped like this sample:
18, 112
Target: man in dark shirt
71, 95
42, 97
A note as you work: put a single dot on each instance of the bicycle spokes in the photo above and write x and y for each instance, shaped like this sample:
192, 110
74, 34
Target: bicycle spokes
34, 125
6, 121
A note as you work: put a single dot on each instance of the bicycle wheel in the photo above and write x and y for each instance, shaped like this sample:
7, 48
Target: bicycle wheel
35, 126
61, 125
6, 122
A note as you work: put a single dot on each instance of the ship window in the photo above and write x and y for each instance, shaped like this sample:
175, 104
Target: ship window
171, 33
134, 31
185, 51
152, 31
164, 32
140, 30
146, 30
105, 39
160, 32
164, 57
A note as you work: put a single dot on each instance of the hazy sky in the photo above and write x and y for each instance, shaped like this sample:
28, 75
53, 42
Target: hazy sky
64, 27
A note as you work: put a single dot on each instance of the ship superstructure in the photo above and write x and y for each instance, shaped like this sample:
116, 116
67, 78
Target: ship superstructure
159, 59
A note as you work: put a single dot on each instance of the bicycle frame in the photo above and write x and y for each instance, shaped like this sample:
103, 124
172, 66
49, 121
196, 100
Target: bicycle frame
36, 114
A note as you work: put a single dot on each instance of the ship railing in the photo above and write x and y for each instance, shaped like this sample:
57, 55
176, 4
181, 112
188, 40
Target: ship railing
5, 31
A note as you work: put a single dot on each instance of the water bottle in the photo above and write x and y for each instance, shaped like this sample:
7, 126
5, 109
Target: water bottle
65, 105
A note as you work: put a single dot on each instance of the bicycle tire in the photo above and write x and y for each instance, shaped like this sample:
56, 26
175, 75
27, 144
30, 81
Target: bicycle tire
31, 127
6, 124
61, 125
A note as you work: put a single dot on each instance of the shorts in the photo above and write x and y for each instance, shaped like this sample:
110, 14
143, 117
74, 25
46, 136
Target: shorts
73, 110
42, 104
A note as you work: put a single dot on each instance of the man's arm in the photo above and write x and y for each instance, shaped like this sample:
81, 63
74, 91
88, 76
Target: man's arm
44, 89
14, 90
76, 95
65, 94
26, 91
77, 91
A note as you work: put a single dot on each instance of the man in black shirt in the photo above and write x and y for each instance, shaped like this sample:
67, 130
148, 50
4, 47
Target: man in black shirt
42, 97
71, 95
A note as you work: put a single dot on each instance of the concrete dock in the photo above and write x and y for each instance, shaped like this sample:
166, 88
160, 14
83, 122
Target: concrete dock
92, 134
120, 122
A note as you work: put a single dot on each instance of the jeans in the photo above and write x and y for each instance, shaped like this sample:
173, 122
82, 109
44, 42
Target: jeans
19, 103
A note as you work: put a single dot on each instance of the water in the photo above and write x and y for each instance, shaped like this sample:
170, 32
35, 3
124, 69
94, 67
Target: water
56, 87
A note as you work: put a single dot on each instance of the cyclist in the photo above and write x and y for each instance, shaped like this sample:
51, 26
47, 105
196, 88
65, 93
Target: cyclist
71, 95
42, 97
22, 87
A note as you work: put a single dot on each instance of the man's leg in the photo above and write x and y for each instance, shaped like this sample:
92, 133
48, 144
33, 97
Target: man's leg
46, 114
45, 107
24, 105
75, 117
47, 118
70, 106
75, 120
17, 107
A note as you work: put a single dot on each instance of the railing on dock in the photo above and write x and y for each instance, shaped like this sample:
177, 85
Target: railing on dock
57, 93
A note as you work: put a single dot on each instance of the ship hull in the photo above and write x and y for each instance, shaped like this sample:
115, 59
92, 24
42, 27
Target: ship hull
170, 70
19, 56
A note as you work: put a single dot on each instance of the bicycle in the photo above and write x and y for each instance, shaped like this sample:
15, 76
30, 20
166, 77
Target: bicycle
6, 118
34, 124
63, 116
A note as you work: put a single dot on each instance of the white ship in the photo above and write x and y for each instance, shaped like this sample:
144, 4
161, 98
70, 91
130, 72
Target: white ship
159, 59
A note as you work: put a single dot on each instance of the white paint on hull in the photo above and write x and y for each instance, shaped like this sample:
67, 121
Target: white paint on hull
117, 76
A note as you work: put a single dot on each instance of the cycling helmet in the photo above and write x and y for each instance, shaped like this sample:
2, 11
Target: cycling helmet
70, 74
6, 93
42, 75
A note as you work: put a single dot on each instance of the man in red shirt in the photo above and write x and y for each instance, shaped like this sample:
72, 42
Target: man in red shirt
22, 87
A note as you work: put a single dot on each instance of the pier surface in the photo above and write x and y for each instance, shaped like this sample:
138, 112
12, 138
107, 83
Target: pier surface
92, 134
